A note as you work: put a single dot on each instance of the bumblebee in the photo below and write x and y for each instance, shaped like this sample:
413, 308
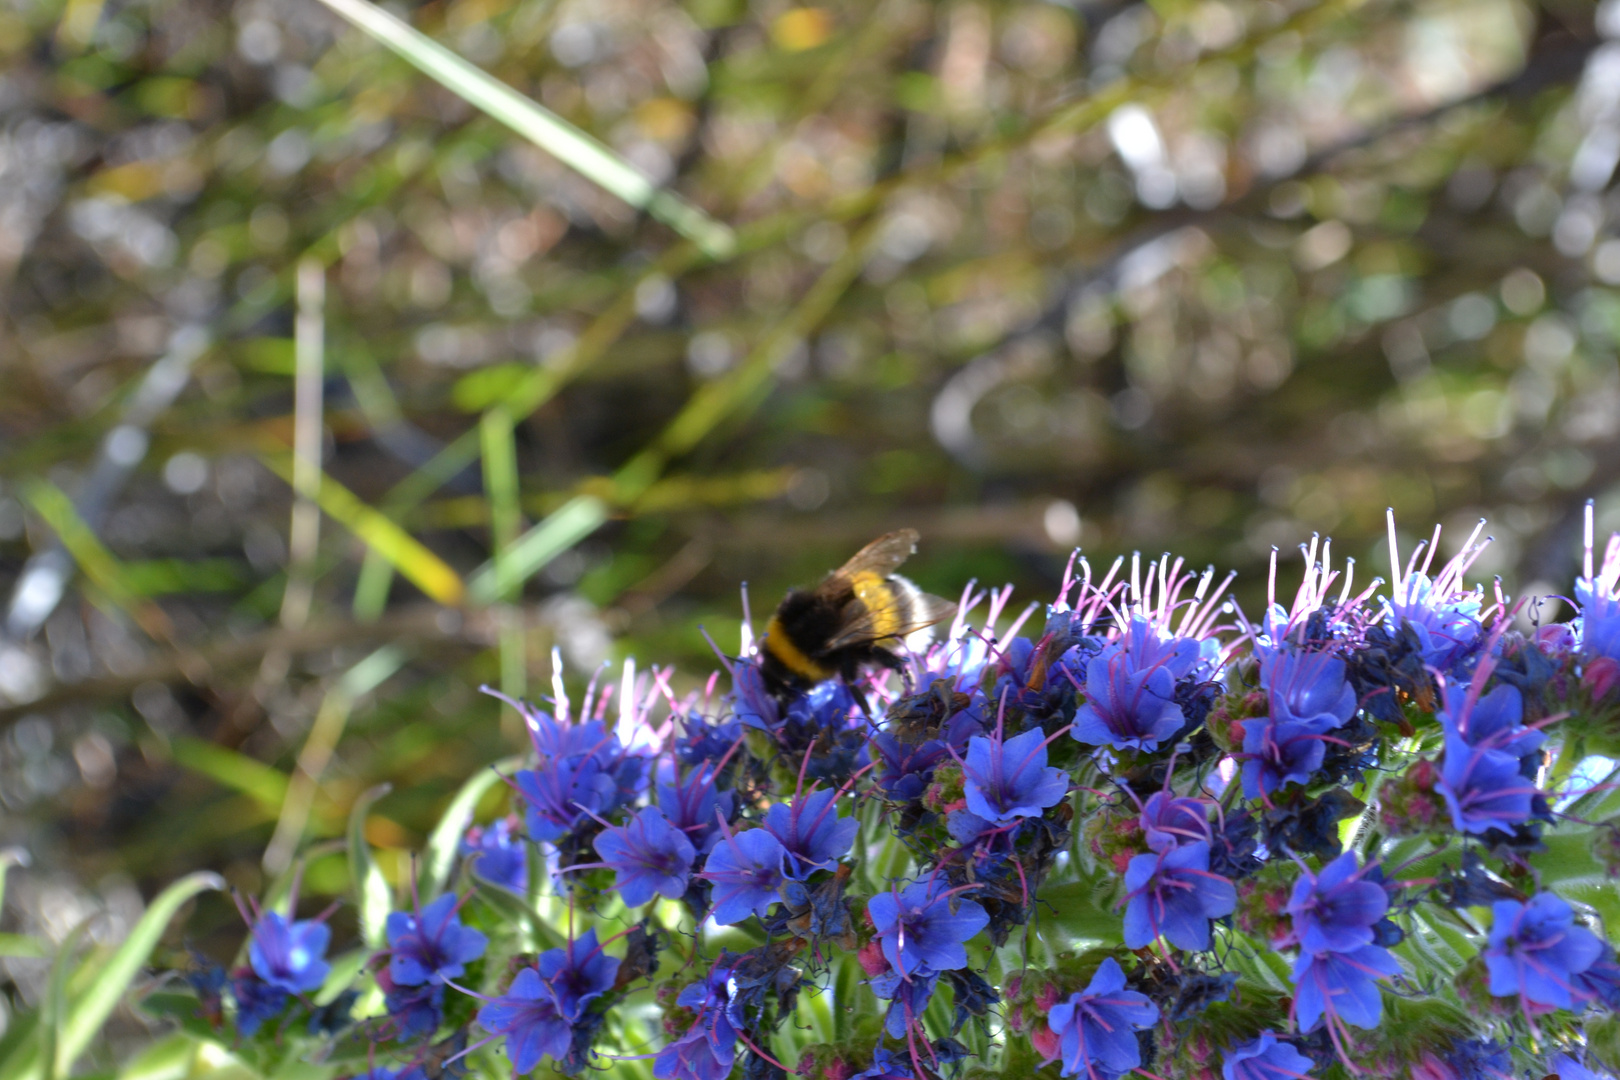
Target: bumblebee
856, 617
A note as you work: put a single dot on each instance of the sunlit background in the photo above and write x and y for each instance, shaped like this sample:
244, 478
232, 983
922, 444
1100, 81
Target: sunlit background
1206, 277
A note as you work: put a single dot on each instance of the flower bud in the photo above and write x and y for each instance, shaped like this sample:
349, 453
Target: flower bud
1114, 835
871, 958
946, 790
1225, 720
1262, 911
1410, 805
1045, 1042
1600, 677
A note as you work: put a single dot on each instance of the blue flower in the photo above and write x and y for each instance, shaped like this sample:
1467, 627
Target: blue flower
578, 974
1264, 1058
528, 1016
746, 869
256, 1000
811, 833
1482, 788
1468, 1059
1601, 981
1341, 985
1599, 622
415, 1010
1126, 707
1495, 722
907, 769
1567, 1068
497, 854
648, 857
431, 946
886, 1065
695, 807
1335, 910
1009, 780
1445, 622
1171, 820
1096, 1027
558, 793
1536, 948
707, 1049
1307, 688
1276, 755
922, 928
290, 956
908, 994
1172, 894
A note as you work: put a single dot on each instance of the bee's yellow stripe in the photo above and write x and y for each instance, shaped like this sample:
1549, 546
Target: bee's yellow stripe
877, 595
779, 645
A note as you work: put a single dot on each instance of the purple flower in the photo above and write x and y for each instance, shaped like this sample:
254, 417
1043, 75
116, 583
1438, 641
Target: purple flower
1096, 1027
1009, 780
1172, 894
1601, 981
1536, 948
886, 1066
1599, 621
923, 928
695, 806
1495, 722
1482, 788
707, 1049
1171, 820
415, 1010
1307, 688
1444, 620
811, 833
578, 974
1276, 755
1126, 707
1341, 985
1335, 910
528, 1016
648, 857
1265, 1059
1567, 1068
432, 945
908, 994
290, 956
497, 854
558, 793
256, 1000
907, 769
746, 869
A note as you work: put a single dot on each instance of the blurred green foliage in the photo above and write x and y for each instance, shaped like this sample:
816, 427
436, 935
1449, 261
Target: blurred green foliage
1203, 276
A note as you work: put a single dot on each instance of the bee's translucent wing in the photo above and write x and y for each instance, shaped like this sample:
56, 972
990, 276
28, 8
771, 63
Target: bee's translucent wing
882, 556
887, 611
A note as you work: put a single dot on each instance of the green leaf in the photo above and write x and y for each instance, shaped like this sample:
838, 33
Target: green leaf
371, 894
90, 1011
445, 840
265, 785
23, 945
573, 147
565, 527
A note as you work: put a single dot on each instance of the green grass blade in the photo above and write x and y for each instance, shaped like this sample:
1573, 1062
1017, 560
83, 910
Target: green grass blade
371, 893
89, 1012
539, 125
445, 841
264, 784
24, 946
426, 570
571, 523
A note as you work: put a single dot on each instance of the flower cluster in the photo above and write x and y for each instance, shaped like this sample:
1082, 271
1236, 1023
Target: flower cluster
1152, 835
